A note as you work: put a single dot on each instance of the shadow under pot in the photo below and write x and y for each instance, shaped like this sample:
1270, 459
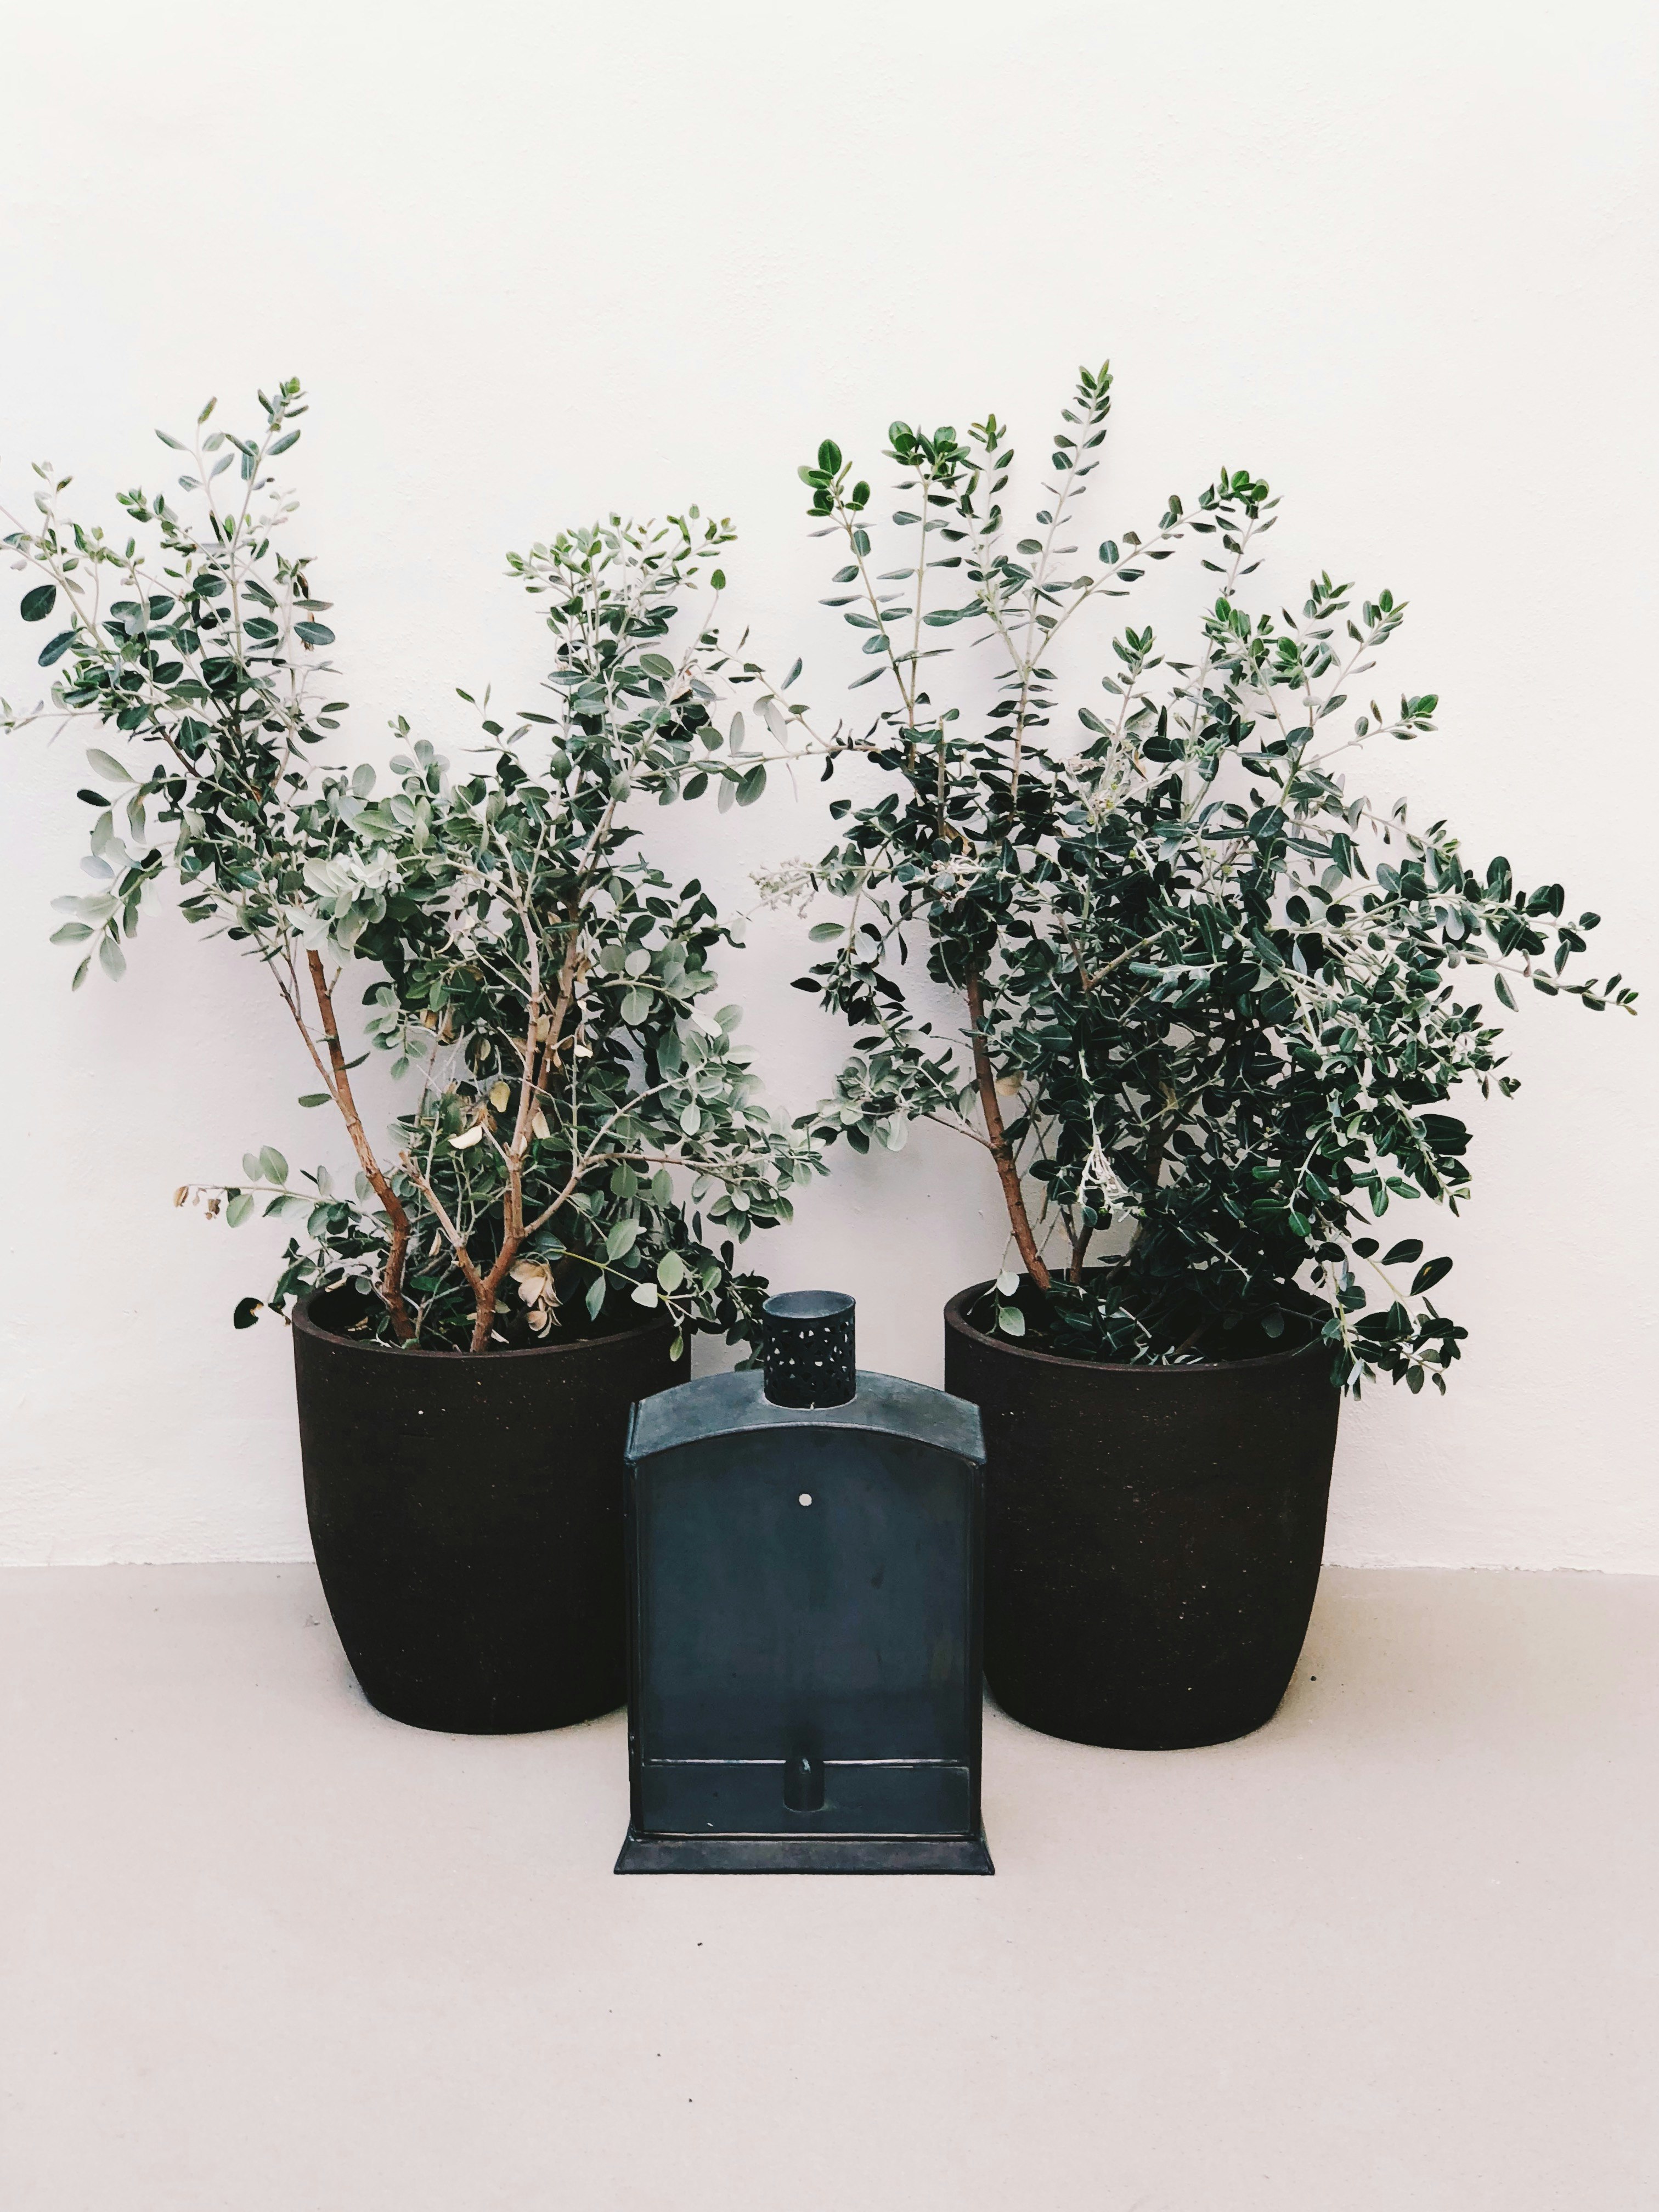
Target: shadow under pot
466, 1514
1153, 1535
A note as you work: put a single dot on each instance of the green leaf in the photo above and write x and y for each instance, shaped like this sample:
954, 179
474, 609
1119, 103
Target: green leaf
57, 648
38, 604
1409, 1248
71, 933
112, 959
791, 677
1430, 1273
1010, 1321
752, 785
595, 1297
313, 633
106, 764
624, 1235
670, 1271
822, 932
272, 1166
238, 1208
1503, 991
829, 457
645, 1294
247, 1312
314, 1098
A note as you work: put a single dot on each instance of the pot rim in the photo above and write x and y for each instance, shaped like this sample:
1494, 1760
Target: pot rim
956, 1317
303, 1325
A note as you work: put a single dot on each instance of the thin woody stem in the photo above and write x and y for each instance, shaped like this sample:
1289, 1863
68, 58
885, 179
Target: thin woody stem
1079, 1239
392, 1281
571, 968
486, 1288
464, 1259
1001, 1151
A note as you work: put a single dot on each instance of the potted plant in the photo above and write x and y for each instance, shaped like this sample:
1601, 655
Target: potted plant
558, 1206
1214, 1004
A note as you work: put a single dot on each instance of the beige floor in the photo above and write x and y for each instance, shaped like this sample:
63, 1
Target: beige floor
263, 1951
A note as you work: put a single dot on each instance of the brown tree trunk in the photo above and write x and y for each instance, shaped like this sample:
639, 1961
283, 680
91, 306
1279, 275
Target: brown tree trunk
392, 1281
1007, 1168
485, 1289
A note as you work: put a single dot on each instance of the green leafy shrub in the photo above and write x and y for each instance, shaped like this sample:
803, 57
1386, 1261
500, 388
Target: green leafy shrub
1215, 1000
584, 1138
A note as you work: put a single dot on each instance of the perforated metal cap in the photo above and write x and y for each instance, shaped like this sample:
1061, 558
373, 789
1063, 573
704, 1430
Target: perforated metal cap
808, 1353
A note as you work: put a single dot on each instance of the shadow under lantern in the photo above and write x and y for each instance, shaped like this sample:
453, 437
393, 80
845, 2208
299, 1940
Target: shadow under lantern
803, 1561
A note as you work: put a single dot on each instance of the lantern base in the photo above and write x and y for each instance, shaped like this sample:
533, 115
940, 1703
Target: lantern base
804, 1855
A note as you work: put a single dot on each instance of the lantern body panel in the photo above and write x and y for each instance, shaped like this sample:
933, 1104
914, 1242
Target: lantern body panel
804, 1589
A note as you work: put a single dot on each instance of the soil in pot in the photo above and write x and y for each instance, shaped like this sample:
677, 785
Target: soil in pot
466, 1516
1153, 1535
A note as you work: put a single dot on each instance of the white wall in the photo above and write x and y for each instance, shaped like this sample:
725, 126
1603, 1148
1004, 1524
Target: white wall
534, 259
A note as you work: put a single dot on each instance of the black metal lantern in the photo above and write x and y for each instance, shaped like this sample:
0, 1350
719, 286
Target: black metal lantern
804, 1594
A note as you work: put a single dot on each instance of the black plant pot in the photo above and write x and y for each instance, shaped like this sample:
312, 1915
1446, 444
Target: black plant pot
1153, 1535
467, 1517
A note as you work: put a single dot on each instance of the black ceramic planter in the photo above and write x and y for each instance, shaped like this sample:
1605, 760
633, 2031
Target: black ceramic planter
1153, 1535
467, 1518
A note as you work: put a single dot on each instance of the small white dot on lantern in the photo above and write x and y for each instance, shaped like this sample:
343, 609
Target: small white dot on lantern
807, 1497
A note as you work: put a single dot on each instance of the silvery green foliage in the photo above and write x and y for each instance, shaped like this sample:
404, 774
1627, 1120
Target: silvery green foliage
1215, 996
204, 649
588, 1126
585, 1139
